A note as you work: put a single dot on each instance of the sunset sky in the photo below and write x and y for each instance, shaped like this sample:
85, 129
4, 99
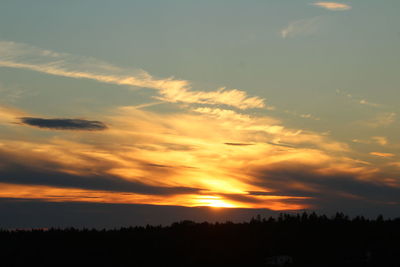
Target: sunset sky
259, 104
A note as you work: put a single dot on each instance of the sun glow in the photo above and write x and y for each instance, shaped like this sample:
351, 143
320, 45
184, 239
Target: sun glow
177, 160
214, 201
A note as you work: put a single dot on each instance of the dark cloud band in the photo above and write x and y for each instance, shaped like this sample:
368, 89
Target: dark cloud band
64, 124
238, 144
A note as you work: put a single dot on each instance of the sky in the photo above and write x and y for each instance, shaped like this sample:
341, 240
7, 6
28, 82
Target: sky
271, 105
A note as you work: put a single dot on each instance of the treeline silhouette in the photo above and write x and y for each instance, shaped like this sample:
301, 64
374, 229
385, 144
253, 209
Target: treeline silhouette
289, 240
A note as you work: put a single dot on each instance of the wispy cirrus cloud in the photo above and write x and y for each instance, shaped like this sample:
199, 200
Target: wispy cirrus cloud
383, 119
358, 100
382, 154
22, 56
380, 140
334, 6
365, 102
302, 115
303, 27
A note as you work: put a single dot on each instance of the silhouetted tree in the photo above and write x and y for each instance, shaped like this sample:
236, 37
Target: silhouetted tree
308, 238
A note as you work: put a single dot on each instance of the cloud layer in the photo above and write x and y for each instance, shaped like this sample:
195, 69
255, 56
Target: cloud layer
208, 157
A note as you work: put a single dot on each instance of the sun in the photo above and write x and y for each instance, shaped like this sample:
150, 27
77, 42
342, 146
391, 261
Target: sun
213, 201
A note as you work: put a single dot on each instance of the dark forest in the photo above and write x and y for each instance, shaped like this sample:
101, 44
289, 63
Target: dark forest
288, 240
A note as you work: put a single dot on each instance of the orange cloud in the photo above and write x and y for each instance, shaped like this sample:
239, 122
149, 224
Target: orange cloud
381, 154
57, 194
381, 140
333, 6
10, 115
183, 159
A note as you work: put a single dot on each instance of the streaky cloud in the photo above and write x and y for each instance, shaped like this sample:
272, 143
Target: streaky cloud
22, 56
18, 171
358, 100
334, 6
303, 27
355, 187
365, 102
382, 154
380, 140
64, 124
383, 119
238, 144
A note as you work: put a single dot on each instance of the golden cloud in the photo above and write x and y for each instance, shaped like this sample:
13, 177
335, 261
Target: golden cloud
333, 6
381, 154
183, 159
